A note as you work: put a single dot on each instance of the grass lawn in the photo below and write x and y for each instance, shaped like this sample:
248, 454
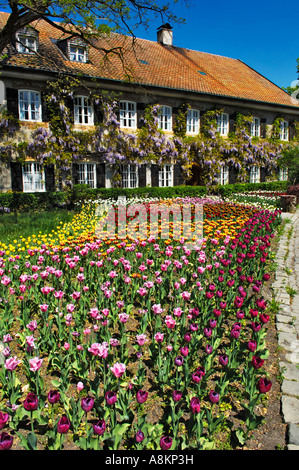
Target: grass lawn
14, 227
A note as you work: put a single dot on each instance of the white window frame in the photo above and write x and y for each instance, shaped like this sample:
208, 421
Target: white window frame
283, 174
27, 44
284, 130
77, 53
128, 114
129, 176
83, 110
255, 174
87, 174
165, 118
33, 178
224, 175
223, 124
30, 107
166, 175
255, 128
192, 125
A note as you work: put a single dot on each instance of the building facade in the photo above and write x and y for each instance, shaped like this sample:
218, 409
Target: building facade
147, 73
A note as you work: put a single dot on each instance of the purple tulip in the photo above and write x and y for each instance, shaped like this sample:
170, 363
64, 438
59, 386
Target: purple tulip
139, 436
141, 396
63, 425
223, 360
6, 441
214, 396
165, 442
31, 402
4, 417
179, 360
53, 396
87, 404
195, 405
110, 398
99, 427
176, 395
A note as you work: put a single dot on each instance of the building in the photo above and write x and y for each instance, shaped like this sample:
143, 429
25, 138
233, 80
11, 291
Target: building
160, 73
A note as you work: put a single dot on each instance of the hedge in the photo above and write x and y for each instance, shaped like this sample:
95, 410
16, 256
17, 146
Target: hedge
68, 199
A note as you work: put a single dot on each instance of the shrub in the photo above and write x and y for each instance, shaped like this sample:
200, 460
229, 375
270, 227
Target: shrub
294, 191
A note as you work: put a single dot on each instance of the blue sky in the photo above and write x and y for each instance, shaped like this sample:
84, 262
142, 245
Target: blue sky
262, 34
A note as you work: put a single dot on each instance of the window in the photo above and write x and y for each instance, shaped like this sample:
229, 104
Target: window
222, 124
255, 174
193, 121
165, 118
255, 130
283, 174
87, 174
224, 175
29, 105
26, 44
129, 176
78, 53
284, 130
33, 178
83, 110
127, 114
166, 176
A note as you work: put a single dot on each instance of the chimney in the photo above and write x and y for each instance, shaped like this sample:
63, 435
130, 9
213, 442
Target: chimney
164, 34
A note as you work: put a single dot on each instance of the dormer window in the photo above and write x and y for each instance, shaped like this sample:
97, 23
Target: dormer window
77, 53
27, 41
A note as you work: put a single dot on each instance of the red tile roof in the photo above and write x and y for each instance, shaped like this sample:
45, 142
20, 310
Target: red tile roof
153, 64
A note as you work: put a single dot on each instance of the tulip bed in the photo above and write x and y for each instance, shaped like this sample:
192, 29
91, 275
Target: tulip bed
135, 344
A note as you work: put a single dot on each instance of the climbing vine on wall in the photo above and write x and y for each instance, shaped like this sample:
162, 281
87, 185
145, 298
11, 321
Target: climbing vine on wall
60, 144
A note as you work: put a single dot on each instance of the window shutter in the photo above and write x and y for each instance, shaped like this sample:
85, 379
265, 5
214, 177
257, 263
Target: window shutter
45, 114
263, 129
178, 179
16, 176
100, 169
49, 177
12, 101
142, 176
232, 175
98, 113
155, 175
75, 173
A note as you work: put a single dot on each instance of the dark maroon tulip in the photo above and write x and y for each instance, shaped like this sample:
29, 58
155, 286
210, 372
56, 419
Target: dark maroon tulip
87, 404
6, 441
99, 427
141, 396
195, 405
214, 396
53, 396
110, 398
31, 402
4, 417
264, 385
139, 436
223, 359
165, 442
257, 362
176, 395
63, 425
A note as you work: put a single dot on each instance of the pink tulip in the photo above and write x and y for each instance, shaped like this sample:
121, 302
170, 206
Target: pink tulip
118, 369
44, 307
11, 363
141, 339
35, 364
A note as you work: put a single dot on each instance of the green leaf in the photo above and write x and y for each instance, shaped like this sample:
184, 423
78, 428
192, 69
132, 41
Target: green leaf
32, 440
56, 383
